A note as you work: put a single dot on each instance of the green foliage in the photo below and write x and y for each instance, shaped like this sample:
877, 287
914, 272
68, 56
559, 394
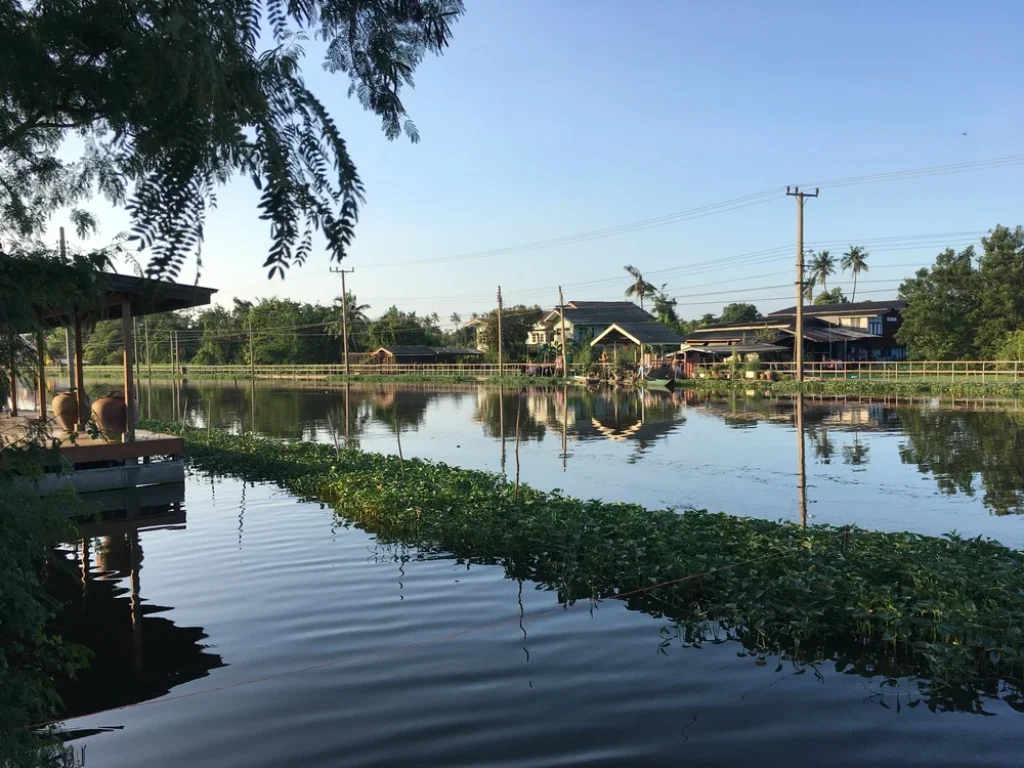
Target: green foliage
739, 313
835, 296
940, 320
398, 328
665, 308
173, 100
1001, 294
31, 656
516, 322
822, 266
1013, 346
906, 387
893, 604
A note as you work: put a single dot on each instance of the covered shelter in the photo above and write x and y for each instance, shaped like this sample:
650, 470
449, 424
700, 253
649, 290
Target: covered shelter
639, 335
75, 295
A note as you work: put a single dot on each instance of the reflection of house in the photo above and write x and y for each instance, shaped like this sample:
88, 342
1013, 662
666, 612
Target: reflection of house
585, 320
422, 355
864, 330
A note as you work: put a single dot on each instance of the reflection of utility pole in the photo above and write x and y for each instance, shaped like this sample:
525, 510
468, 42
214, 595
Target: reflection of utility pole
801, 464
565, 407
501, 414
798, 344
344, 315
135, 554
346, 414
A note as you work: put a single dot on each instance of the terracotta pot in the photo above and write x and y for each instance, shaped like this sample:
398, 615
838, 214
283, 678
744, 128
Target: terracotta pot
111, 415
65, 408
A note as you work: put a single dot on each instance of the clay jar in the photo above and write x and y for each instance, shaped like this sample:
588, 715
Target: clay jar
111, 415
65, 409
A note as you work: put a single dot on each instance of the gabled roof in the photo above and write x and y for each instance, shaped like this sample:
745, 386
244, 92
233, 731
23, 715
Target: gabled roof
781, 326
850, 308
651, 334
456, 351
417, 351
601, 313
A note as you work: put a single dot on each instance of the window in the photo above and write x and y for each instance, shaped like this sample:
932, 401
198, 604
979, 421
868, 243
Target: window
875, 326
891, 319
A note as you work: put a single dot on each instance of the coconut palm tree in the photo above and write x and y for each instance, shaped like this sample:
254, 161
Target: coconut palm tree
357, 319
456, 320
855, 262
823, 264
639, 287
809, 284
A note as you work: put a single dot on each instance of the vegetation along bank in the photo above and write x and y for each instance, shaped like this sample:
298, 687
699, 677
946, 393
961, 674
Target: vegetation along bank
889, 604
881, 387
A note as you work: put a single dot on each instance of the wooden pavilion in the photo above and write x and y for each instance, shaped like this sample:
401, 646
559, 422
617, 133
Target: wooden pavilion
105, 465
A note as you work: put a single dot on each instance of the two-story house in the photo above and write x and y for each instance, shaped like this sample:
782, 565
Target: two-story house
584, 320
880, 319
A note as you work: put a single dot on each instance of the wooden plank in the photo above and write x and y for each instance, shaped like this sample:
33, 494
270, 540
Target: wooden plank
157, 445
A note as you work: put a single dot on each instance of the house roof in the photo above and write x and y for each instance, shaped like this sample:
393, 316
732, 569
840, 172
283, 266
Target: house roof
417, 351
601, 313
849, 308
474, 322
815, 329
729, 349
650, 333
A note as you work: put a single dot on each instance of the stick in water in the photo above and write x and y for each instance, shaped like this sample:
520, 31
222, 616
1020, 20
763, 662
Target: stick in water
519, 402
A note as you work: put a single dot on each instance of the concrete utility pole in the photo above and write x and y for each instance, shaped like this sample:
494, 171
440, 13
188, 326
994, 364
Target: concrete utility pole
149, 360
500, 345
344, 314
565, 343
68, 331
252, 358
798, 345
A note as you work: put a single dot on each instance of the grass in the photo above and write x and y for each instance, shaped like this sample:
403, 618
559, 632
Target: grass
898, 387
948, 610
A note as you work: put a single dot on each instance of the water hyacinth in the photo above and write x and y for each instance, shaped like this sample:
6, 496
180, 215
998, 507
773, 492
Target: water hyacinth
947, 610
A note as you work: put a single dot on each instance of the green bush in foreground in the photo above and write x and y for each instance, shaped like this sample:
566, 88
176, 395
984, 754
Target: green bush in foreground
888, 604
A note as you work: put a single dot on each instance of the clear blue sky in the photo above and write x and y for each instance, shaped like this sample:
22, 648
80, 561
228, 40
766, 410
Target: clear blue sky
548, 118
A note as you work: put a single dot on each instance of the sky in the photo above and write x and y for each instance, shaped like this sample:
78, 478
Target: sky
546, 119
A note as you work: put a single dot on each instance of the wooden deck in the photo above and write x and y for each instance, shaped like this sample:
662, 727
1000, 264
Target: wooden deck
152, 458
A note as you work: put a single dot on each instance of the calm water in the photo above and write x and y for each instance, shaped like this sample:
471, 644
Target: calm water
359, 652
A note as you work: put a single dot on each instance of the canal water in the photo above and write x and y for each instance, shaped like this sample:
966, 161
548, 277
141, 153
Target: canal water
244, 627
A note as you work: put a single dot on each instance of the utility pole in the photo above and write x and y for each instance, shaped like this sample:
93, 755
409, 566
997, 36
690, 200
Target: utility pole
175, 362
344, 314
561, 312
798, 345
149, 360
252, 357
501, 341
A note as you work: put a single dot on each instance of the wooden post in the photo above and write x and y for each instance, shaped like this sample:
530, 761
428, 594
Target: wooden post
13, 338
128, 339
83, 411
41, 377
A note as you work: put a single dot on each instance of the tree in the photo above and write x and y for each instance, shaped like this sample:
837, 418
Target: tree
456, 320
855, 261
639, 288
357, 320
665, 308
398, 328
940, 320
835, 296
516, 322
822, 266
1013, 346
170, 101
808, 292
1001, 294
740, 313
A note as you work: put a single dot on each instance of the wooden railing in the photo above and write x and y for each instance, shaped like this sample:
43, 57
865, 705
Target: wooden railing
980, 370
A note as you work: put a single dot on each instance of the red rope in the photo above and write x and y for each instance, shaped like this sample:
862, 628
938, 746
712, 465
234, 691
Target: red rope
406, 646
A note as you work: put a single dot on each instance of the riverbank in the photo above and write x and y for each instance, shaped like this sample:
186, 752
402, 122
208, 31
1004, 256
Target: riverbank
891, 604
880, 387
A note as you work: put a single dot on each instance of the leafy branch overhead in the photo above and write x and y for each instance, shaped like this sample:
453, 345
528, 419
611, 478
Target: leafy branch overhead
169, 101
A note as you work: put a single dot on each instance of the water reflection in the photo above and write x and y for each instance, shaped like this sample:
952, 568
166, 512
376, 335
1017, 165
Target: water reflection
137, 654
966, 450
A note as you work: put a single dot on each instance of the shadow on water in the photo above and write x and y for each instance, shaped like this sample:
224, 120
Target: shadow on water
137, 654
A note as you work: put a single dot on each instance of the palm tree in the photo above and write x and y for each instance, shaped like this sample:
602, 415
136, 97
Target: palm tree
809, 284
822, 265
639, 287
855, 262
357, 318
456, 320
